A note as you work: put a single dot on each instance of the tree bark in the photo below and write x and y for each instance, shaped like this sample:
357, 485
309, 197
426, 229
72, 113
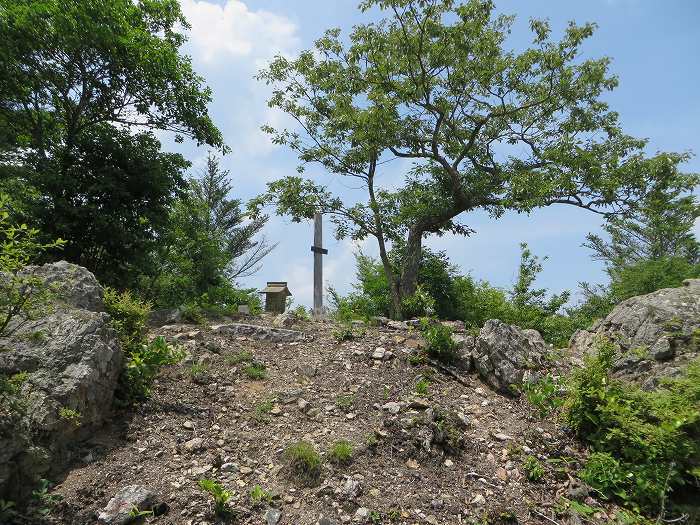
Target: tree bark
411, 262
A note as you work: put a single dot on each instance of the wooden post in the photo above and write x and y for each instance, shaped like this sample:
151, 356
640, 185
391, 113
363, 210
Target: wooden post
319, 252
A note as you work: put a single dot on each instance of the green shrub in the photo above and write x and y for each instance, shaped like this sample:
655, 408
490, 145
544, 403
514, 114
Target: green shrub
303, 462
219, 494
129, 318
534, 471
341, 452
420, 304
544, 394
72, 416
262, 411
646, 443
142, 360
345, 401
344, 333
256, 371
142, 367
441, 346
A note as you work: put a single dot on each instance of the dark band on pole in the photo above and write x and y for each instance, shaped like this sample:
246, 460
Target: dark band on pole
316, 249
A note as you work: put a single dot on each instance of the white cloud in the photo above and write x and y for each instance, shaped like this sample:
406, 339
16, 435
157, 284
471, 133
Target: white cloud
233, 30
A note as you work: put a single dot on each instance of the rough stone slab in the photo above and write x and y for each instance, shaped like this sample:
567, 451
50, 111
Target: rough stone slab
261, 333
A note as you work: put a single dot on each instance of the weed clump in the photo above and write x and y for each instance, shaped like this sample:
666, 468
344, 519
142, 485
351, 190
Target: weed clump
256, 371
303, 462
341, 452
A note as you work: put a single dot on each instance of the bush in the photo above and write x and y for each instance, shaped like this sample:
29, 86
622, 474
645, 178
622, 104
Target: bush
304, 462
645, 443
341, 452
441, 346
420, 304
129, 318
544, 394
142, 367
143, 360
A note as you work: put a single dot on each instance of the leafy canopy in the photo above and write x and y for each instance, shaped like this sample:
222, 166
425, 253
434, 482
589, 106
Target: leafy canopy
486, 127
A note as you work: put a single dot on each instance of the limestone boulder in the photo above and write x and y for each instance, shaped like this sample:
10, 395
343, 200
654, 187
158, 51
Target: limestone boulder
658, 334
66, 364
505, 356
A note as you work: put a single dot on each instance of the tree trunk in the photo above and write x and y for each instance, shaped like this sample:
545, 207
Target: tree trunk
411, 262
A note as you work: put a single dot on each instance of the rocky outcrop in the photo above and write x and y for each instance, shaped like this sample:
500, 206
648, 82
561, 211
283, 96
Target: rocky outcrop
259, 332
658, 333
505, 356
66, 365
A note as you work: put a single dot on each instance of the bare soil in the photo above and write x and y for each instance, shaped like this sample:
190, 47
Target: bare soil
396, 474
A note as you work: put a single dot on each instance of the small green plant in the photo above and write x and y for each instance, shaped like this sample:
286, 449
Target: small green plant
534, 471
72, 416
422, 387
417, 358
345, 401
375, 516
198, 372
441, 346
7, 511
341, 452
258, 496
544, 394
22, 294
301, 312
262, 411
43, 500
303, 461
193, 313
344, 333
135, 513
219, 494
244, 356
256, 371
371, 440
143, 366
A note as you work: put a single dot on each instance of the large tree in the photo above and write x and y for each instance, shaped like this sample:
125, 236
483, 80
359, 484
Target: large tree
82, 86
208, 245
487, 127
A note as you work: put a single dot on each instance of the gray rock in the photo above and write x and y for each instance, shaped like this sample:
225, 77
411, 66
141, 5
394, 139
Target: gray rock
273, 516
392, 407
286, 320
657, 334
72, 359
194, 445
350, 488
261, 333
118, 510
505, 356
361, 515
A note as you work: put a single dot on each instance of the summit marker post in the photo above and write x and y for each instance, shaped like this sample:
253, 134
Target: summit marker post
319, 252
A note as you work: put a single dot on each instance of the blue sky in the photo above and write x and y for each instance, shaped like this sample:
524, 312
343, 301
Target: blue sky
654, 45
